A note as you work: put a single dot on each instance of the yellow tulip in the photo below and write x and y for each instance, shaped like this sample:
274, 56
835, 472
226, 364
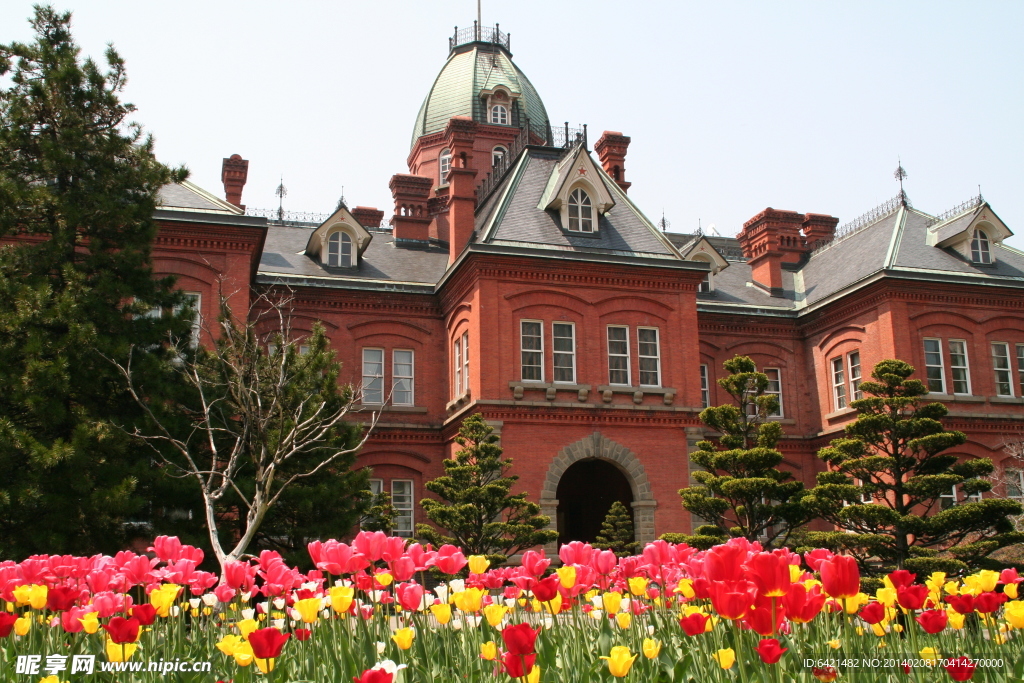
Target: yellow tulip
308, 609
32, 595
1014, 613
652, 648
853, 604
1010, 591
91, 622
247, 626
952, 587
936, 581
567, 576
611, 602
341, 598
478, 564
264, 665
886, 596
403, 638
384, 579
638, 585
534, 675
120, 652
243, 654
930, 655
50, 679
795, 572
878, 629
623, 619
495, 613
987, 579
835, 643
469, 600
489, 651
22, 625
725, 658
685, 588
442, 612
229, 643
162, 598
619, 660
956, 620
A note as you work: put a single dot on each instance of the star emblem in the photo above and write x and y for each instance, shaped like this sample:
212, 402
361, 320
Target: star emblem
583, 171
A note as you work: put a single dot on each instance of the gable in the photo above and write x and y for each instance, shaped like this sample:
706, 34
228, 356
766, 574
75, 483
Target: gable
576, 170
702, 250
339, 220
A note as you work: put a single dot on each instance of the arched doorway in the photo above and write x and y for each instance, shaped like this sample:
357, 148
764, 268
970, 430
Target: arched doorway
586, 491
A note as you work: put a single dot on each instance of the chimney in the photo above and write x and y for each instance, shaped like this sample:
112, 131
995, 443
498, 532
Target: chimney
611, 150
368, 216
411, 220
233, 173
819, 229
459, 137
773, 238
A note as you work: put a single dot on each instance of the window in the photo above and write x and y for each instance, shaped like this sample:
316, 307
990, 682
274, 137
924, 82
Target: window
1020, 367
444, 164
705, 284
563, 339
497, 154
339, 249
980, 252
192, 303
838, 384
618, 355
853, 363
960, 373
465, 362
376, 488
705, 387
581, 211
649, 355
1014, 484
457, 366
774, 389
865, 498
373, 376
948, 500
401, 501
531, 346
401, 377
1001, 365
499, 114
933, 366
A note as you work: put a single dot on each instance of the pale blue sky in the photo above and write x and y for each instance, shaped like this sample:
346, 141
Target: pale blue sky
732, 106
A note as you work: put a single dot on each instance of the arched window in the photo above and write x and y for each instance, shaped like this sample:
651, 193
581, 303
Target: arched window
581, 211
339, 249
444, 164
497, 154
499, 114
980, 247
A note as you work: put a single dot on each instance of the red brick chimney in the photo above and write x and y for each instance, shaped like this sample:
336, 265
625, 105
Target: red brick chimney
611, 150
774, 237
459, 137
411, 220
233, 173
368, 216
819, 229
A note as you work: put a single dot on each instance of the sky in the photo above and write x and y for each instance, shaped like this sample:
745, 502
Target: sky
731, 106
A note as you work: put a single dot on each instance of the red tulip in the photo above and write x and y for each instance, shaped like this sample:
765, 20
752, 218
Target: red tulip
732, 599
873, 612
989, 601
769, 651
375, 676
694, 624
840, 576
933, 620
961, 669
545, 590
725, 562
302, 634
7, 620
146, 613
534, 563
410, 596
964, 604
825, 674
901, 578
267, 643
520, 639
518, 666
912, 597
61, 598
803, 605
123, 630
815, 557
771, 574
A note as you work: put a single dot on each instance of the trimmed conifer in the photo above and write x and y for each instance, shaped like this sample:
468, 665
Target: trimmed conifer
617, 532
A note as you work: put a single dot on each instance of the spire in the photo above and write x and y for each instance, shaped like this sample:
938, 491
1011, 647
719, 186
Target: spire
900, 174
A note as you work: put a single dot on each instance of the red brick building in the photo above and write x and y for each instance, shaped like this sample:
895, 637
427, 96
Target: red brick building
516, 279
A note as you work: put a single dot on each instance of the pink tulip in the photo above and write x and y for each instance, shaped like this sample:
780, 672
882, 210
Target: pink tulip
370, 544
576, 553
410, 596
225, 593
450, 560
605, 562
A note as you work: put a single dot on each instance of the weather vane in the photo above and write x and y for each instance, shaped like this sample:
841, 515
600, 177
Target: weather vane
281, 193
900, 174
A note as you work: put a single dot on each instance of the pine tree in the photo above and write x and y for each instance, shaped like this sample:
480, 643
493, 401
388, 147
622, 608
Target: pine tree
380, 515
477, 510
617, 532
78, 188
887, 478
740, 491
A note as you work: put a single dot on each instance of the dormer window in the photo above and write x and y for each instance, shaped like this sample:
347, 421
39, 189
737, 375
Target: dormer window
980, 252
581, 211
497, 154
499, 114
705, 284
444, 164
339, 249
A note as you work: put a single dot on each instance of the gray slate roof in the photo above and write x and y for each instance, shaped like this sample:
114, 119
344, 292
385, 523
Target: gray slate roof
189, 197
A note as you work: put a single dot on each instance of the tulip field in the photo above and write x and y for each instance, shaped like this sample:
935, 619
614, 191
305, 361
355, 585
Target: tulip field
672, 614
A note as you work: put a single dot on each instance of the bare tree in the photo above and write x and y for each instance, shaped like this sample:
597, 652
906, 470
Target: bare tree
259, 413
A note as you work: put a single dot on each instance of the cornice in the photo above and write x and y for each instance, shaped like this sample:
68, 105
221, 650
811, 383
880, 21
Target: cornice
316, 299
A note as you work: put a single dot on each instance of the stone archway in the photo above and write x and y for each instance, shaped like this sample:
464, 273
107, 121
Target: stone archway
601, 447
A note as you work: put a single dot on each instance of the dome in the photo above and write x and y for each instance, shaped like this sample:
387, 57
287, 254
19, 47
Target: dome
472, 68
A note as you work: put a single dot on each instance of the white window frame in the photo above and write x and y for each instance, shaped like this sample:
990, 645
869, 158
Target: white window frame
370, 379
339, 249
535, 354
457, 367
705, 387
196, 303
1014, 477
777, 393
965, 366
444, 165
376, 488
981, 247
837, 376
497, 154
1020, 367
930, 367
561, 354
854, 372
499, 115
465, 363
1001, 367
705, 285
948, 500
865, 498
580, 203
641, 356
396, 378
404, 506
625, 355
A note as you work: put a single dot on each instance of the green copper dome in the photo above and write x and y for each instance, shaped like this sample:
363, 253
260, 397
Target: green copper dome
470, 69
